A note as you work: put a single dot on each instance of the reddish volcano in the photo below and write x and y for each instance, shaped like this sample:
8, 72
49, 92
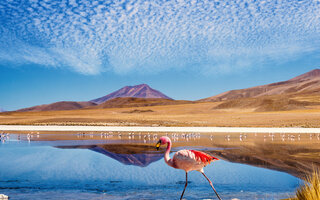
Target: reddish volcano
138, 91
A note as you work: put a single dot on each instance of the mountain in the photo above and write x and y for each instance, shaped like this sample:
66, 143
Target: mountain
61, 105
129, 96
2, 110
308, 83
121, 102
139, 91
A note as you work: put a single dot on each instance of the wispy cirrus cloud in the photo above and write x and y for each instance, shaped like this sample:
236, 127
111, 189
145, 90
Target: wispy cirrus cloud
128, 36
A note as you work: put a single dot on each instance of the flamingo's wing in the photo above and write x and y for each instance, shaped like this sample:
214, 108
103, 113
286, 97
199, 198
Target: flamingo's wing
203, 157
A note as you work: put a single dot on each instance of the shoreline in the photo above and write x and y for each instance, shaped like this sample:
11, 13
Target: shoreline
159, 129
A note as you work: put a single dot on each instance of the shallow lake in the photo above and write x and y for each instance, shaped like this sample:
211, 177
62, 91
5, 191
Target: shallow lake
127, 166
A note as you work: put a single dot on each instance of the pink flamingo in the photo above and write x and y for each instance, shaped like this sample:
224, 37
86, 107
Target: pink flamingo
187, 160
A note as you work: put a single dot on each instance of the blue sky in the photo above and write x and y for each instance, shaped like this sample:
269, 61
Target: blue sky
80, 50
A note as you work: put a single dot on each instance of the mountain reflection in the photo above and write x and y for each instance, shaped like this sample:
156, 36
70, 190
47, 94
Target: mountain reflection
128, 154
295, 159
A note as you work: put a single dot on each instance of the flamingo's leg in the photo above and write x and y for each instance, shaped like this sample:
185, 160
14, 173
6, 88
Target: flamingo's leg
185, 186
212, 186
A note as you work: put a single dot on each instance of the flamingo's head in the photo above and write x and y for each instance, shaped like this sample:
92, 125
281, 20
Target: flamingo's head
162, 140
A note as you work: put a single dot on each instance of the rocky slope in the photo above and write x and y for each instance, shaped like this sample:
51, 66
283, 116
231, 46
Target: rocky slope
308, 83
62, 105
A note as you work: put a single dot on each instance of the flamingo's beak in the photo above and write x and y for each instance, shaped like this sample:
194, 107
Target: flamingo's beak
158, 144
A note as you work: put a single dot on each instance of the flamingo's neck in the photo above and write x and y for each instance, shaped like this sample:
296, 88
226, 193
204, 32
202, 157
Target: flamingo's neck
167, 158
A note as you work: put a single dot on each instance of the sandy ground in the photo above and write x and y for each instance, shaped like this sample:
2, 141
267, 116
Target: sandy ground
159, 129
197, 115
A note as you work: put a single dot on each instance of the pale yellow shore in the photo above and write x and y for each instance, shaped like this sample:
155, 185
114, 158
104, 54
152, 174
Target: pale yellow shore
158, 129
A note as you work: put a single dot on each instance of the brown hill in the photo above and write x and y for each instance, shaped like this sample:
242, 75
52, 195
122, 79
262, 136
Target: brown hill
270, 103
122, 102
62, 105
138, 91
308, 83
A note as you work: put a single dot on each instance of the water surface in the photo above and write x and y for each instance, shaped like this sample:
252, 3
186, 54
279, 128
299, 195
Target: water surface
126, 166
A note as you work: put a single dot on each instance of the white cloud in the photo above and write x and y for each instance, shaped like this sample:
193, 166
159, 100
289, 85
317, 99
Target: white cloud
128, 36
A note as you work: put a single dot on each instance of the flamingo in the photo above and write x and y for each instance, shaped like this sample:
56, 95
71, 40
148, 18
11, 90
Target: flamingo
187, 160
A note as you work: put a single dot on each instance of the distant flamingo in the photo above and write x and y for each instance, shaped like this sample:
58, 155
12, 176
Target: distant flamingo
187, 160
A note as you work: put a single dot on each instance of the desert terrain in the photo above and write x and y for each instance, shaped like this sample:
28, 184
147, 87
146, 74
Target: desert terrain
195, 114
